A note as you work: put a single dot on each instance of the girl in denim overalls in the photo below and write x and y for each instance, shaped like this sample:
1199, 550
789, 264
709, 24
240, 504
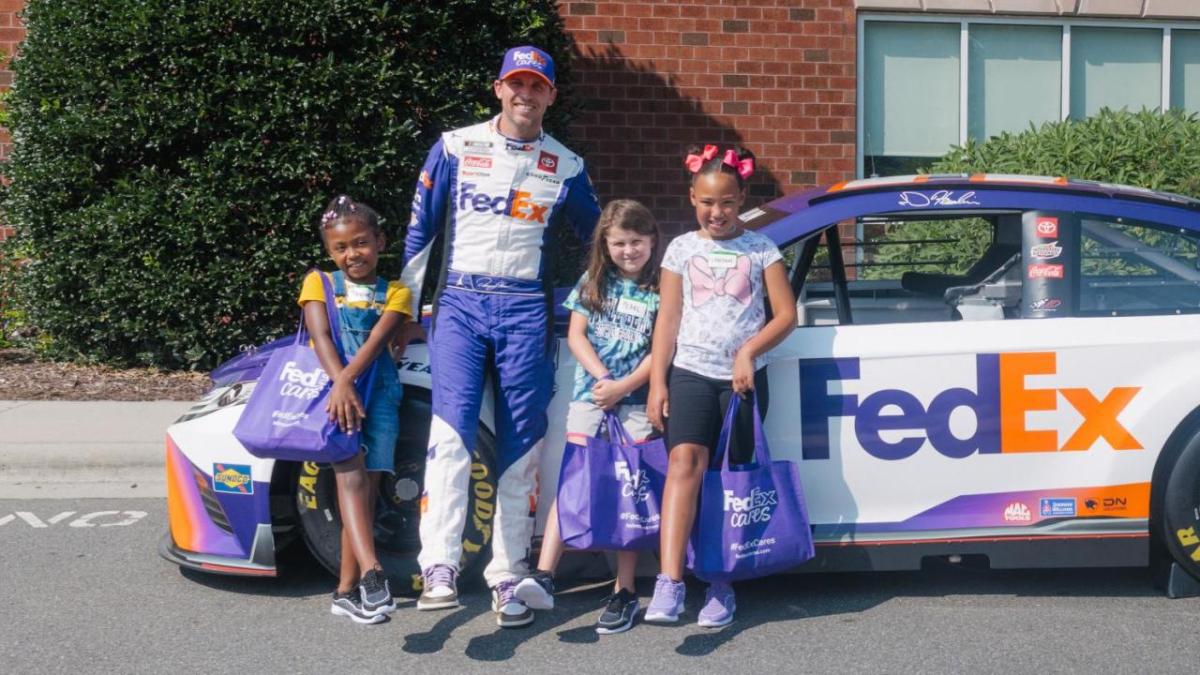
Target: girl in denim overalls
371, 311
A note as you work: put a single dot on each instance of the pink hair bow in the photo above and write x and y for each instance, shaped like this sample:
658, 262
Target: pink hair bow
735, 283
744, 167
694, 161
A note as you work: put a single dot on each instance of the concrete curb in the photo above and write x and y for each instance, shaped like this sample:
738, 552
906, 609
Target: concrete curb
73, 449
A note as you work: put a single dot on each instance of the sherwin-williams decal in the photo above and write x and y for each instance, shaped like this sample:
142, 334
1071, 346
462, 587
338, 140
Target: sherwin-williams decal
1031, 507
1000, 402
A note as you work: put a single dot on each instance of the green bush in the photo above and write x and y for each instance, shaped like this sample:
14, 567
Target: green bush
1145, 149
171, 156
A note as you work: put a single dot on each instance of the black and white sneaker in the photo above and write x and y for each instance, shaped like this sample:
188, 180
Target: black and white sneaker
350, 605
537, 590
441, 588
376, 594
510, 612
619, 610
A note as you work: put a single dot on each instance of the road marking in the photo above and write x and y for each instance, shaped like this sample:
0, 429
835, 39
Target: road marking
123, 519
33, 520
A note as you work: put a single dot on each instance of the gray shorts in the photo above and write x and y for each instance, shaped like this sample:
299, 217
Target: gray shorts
584, 420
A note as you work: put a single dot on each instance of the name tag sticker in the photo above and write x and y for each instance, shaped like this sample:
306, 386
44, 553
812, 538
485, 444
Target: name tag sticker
722, 260
631, 307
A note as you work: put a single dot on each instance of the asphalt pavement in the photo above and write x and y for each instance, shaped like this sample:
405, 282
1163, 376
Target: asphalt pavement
85, 591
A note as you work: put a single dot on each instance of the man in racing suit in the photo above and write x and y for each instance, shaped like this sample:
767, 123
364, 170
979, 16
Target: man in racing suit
492, 189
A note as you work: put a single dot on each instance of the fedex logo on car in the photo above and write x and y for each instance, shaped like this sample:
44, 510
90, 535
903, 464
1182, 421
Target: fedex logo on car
516, 203
1000, 402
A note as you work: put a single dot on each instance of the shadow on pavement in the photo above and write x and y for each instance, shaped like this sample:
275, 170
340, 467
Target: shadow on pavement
808, 596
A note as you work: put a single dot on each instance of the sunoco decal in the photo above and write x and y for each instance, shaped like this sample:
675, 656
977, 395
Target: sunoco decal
233, 479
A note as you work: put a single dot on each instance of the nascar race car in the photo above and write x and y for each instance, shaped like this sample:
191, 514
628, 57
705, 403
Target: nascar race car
990, 366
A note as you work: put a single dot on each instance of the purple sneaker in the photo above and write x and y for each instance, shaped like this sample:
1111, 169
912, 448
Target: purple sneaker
667, 603
719, 606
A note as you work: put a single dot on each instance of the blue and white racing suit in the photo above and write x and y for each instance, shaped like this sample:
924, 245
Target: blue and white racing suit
497, 197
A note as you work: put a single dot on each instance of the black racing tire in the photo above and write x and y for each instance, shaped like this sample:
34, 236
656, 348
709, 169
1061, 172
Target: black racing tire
398, 512
1180, 515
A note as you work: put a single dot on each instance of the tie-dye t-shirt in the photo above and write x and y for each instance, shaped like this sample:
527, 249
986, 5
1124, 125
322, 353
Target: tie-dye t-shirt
620, 332
722, 298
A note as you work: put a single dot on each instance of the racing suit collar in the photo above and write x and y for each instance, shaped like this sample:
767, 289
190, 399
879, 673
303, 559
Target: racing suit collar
515, 144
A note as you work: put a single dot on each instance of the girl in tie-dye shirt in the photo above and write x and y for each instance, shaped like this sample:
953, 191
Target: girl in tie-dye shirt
709, 343
613, 308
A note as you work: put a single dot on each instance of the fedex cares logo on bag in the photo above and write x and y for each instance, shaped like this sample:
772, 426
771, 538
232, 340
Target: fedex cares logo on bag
632, 485
304, 385
1000, 403
755, 507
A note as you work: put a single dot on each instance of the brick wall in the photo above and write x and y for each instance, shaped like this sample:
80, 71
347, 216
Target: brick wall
12, 32
777, 76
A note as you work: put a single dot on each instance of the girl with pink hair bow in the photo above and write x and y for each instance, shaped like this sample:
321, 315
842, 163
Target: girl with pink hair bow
709, 341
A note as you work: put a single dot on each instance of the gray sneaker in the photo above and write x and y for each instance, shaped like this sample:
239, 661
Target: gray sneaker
619, 610
510, 612
441, 588
537, 590
350, 605
376, 593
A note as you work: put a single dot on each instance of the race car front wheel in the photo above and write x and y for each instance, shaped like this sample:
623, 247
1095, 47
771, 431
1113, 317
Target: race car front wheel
397, 512
1181, 507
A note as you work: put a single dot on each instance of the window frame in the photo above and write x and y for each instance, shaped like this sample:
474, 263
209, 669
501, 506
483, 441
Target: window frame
1077, 269
964, 22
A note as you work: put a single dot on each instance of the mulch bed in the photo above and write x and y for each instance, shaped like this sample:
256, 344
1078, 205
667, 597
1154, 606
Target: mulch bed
23, 377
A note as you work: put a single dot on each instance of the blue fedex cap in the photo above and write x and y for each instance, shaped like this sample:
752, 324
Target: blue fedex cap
528, 59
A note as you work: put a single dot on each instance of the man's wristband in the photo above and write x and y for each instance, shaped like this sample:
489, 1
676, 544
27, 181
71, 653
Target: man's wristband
606, 377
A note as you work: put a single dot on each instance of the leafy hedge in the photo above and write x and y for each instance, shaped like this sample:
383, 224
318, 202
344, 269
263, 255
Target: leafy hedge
1146, 149
171, 156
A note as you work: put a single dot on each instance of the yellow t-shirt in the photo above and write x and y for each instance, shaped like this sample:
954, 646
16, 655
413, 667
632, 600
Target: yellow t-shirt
399, 298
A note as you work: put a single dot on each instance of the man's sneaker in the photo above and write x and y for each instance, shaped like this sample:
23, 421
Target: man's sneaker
618, 613
667, 603
350, 605
510, 612
441, 590
376, 594
719, 606
537, 590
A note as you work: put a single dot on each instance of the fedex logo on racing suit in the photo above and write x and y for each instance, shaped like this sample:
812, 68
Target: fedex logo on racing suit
1000, 401
516, 203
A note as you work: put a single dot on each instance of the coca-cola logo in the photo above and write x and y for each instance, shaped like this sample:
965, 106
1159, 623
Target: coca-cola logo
1045, 271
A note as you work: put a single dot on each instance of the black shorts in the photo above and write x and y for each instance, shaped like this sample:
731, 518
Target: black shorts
697, 409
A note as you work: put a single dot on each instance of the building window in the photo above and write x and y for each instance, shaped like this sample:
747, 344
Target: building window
931, 82
1185, 69
1015, 78
912, 93
1115, 68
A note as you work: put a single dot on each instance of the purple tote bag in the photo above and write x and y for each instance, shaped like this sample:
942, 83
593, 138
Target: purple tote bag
285, 417
610, 491
752, 520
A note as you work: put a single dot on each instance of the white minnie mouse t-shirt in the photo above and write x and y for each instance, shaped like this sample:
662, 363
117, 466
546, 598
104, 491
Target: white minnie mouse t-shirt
722, 298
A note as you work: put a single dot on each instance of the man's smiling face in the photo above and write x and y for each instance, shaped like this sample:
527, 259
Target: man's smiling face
524, 98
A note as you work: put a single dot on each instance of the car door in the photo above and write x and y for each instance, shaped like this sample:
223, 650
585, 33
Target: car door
1039, 412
